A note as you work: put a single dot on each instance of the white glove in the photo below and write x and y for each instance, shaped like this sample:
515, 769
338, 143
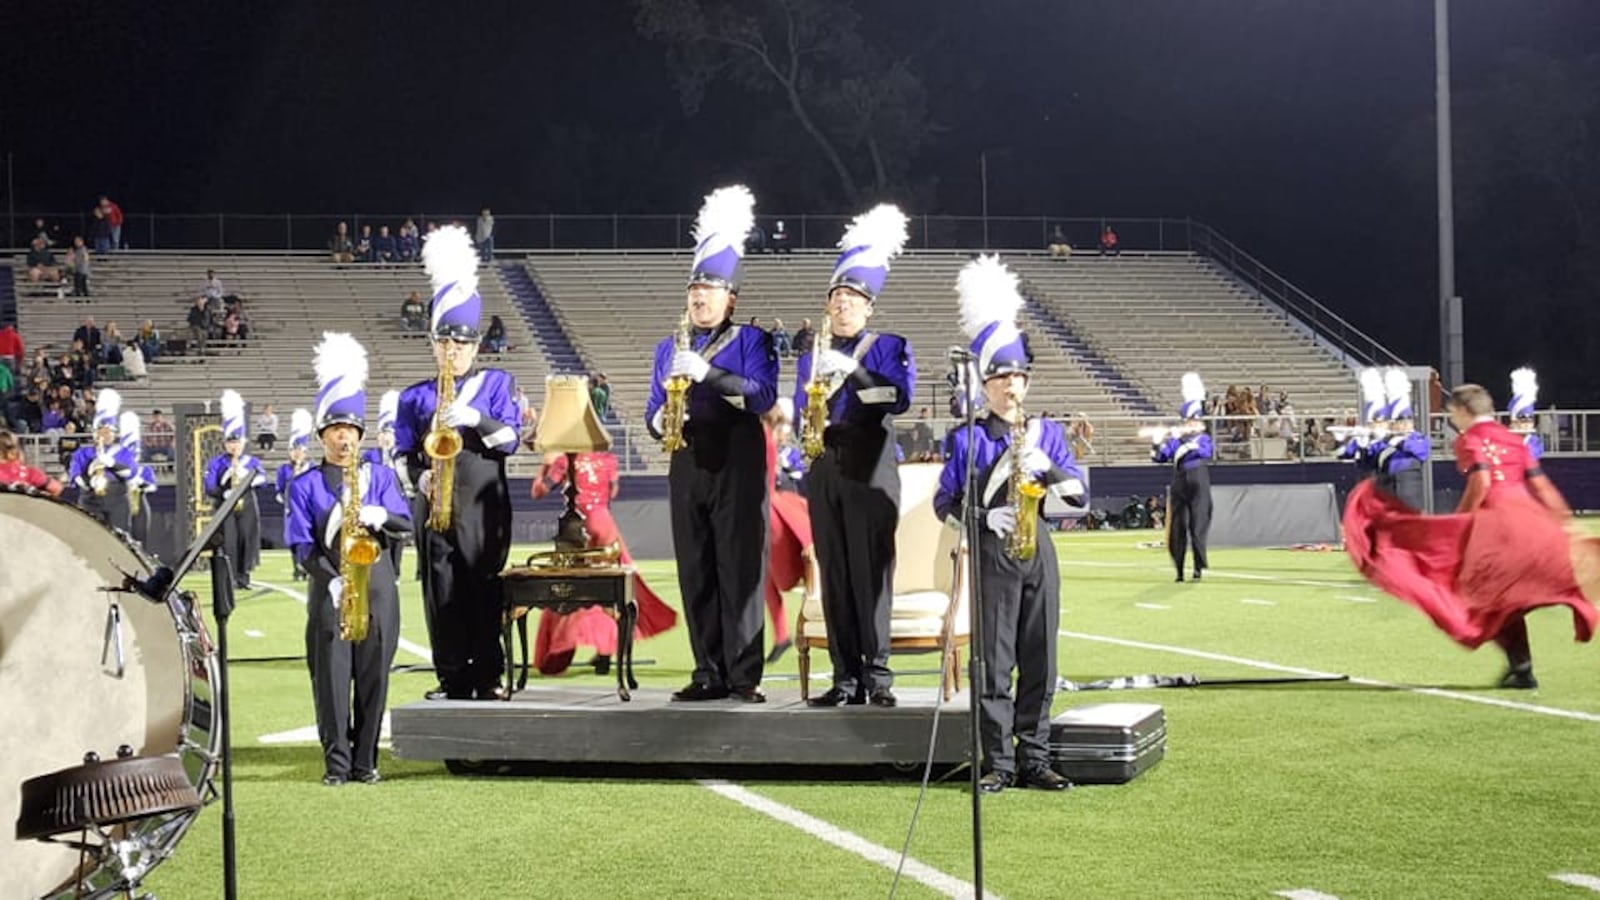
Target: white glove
336, 592
462, 415
374, 516
1002, 520
690, 363
425, 482
657, 422
1036, 462
831, 362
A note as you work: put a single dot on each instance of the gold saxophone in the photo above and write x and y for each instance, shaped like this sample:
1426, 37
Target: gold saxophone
443, 444
98, 480
1022, 492
677, 388
609, 555
357, 552
815, 421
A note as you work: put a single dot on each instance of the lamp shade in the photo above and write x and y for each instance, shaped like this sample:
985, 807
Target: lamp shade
568, 423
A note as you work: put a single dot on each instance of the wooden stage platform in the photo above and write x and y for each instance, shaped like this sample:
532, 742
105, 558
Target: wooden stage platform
589, 725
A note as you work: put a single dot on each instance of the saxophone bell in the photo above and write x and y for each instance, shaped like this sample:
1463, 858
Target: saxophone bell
677, 388
1023, 492
815, 421
443, 444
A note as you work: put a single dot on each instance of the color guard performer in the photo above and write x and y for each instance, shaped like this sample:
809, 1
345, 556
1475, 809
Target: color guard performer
725, 376
102, 470
299, 461
241, 533
1190, 451
462, 521
864, 378
349, 678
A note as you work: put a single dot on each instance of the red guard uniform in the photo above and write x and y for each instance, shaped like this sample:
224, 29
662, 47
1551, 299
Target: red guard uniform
788, 538
1504, 552
561, 635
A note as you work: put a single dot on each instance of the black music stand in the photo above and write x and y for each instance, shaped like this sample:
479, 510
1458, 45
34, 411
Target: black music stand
965, 364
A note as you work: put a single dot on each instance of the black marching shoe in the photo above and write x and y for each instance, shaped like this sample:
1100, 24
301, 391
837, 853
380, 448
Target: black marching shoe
1179, 579
371, 777
601, 663
696, 692
1519, 679
752, 694
883, 697
836, 696
995, 782
446, 693
1196, 575
492, 691
332, 780
1044, 779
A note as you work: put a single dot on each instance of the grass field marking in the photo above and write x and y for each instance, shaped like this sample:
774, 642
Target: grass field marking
410, 647
922, 873
1304, 894
1370, 682
1577, 879
1352, 598
1214, 573
1152, 606
1256, 601
251, 632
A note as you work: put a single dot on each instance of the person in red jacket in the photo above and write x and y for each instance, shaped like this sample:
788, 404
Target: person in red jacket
13, 471
1508, 549
561, 635
788, 529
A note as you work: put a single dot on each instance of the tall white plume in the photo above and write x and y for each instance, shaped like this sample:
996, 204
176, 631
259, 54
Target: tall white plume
883, 228
128, 427
450, 257
232, 405
1371, 387
300, 421
341, 356
107, 403
1192, 387
987, 291
1525, 384
727, 211
1396, 384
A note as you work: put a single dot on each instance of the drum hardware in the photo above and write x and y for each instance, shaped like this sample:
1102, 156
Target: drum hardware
113, 638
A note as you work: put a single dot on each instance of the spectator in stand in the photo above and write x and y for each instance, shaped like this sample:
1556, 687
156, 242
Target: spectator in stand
340, 245
99, 231
42, 265
600, 394
159, 438
111, 348
78, 265
11, 347
149, 341
383, 247
234, 327
199, 325
921, 435
50, 233
364, 249
266, 428
778, 240
413, 314
1110, 245
13, 471
483, 235
113, 216
213, 290
494, 340
409, 243
804, 338
30, 410
781, 341
89, 334
1080, 436
1058, 245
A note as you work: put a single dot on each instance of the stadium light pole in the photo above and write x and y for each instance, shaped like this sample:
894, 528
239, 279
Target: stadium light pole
1451, 365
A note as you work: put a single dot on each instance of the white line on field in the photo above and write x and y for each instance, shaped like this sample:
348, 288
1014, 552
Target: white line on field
1578, 880
251, 632
1304, 894
946, 885
1152, 606
1352, 598
410, 647
1371, 682
1256, 601
1215, 573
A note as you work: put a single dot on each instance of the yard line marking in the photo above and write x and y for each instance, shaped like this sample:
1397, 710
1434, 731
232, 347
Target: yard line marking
1577, 879
1215, 573
1370, 682
410, 647
1352, 598
1253, 601
945, 885
1304, 894
1152, 606
251, 632
307, 734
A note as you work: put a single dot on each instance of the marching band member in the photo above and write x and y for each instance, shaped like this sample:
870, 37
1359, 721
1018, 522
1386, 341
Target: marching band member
1190, 451
788, 523
241, 533
461, 560
314, 530
1524, 397
560, 635
853, 489
1505, 551
103, 469
14, 471
1359, 443
718, 482
1401, 454
143, 482
384, 455
299, 442
1021, 606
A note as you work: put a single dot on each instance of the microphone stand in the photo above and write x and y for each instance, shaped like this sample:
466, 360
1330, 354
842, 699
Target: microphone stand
976, 664
222, 602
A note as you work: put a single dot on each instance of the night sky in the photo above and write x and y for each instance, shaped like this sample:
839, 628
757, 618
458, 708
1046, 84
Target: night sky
1283, 123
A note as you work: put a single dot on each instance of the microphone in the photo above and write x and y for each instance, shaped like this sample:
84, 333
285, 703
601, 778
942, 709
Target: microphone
153, 588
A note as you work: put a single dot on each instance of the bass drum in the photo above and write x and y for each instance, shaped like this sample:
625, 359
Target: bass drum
66, 690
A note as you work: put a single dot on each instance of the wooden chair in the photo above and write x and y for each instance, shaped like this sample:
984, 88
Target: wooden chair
930, 587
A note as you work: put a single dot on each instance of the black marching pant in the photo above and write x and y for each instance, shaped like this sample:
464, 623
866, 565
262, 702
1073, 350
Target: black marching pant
1189, 515
1020, 608
460, 573
349, 721
1406, 485
111, 508
853, 493
718, 488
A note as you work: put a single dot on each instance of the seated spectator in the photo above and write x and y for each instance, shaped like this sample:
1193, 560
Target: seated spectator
42, 265
494, 340
158, 438
756, 240
778, 240
780, 338
111, 349
413, 314
1109, 244
383, 246
88, 335
1058, 245
54, 423
364, 250
13, 471
266, 428
149, 339
409, 243
50, 232
99, 231
78, 266
133, 361
234, 327
340, 245
199, 325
